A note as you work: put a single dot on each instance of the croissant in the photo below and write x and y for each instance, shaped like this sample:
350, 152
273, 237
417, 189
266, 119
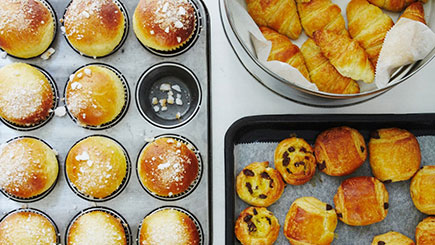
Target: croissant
414, 11
345, 55
323, 74
280, 15
285, 51
368, 25
321, 14
392, 5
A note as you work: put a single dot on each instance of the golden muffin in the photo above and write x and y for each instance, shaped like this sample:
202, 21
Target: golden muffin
361, 201
27, 27
96, 166
98, 228
394, 154
259, 185
310, 221
164, 25
168, 226
294, 159
425, 231
26, 95
167, 167
95, 96
423, 190
340, 151
392, 238
257, 226
94, 27
27, 227
28, 167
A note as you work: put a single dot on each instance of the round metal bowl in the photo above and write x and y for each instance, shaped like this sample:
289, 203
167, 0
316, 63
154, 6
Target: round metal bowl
298, 94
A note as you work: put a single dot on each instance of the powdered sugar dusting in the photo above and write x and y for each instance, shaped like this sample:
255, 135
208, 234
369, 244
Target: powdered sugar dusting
19, 15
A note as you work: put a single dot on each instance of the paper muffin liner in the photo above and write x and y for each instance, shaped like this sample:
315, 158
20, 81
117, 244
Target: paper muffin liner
107, 210
117, 47
182, 210
36, 211
115, 193
50, 115
124, 109
194, 183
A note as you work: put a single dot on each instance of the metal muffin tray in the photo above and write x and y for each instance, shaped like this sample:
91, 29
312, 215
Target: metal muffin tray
188, 67
298, 94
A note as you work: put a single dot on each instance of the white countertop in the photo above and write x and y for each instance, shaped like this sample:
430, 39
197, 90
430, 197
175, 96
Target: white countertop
236, 94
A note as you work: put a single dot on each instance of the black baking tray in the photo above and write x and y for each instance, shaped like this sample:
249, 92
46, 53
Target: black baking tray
274, 128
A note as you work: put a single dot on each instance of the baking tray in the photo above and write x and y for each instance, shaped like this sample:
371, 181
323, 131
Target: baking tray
274, 128
61, 133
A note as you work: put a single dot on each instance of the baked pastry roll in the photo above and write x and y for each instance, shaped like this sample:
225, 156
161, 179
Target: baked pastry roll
415, 12
425, 231
393, 5
394, 154
321, 14
368, 25
27, 27
280, 15
345, 55
310, 221
392, 237
324, 74
340, 151
361, 201
423, 190
257, 225
259, 185
285, 51
294, 159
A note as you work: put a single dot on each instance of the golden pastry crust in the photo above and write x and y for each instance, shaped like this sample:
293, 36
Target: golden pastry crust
167, 167
425, 231
96, 166
310, 221
415, 12
361, 201
95, 95
26, 227
26, 95
394, 154
259, 185
423, 190
28, 167
97, 227
392, 237
340, 151
294, 159
393, 5
26, 27
258, 226
156, 227
95, 28
156, 30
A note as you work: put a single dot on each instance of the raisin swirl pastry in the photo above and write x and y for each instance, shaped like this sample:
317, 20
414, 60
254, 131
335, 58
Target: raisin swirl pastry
259, 185
257, 225
295, 160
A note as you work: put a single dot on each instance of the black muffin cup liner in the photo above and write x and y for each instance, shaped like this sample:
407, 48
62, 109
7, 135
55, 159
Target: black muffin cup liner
185, 47
53, 14
124, 223
51, 112
37, 197
124, 109
120, 44
114, 194
194, 183
182, 210
36, 211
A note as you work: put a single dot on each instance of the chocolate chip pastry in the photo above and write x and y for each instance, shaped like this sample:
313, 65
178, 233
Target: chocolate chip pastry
392, 237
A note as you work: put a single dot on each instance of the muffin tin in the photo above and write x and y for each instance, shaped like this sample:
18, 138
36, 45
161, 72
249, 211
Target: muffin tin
132, 130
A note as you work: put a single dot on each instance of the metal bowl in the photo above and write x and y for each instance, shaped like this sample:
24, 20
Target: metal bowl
298, 94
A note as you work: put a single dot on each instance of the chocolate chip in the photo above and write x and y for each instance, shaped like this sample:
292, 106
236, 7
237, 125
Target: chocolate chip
381, 243
386, 205
288, 171
362, 148
286, 162
339, 215
255, 211
285, 155
387, 181
291, 149
297, 164
268, 220
247, 218
251, 226
271, 183
322, 165
375, 135
328, 207
265, 175
249, 186
307, 158
248, 172
262, 196
256, 187
303, 150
